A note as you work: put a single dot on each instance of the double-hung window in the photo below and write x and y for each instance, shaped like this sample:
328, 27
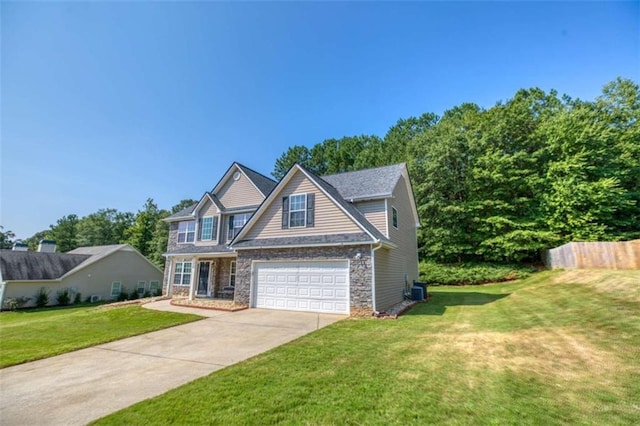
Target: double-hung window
236, 222
141, 286
394, 217
298, 211
116, 287
206, 230
187, 231
182, 274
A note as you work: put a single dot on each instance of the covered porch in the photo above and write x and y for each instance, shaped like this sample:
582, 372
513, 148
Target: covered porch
205, 276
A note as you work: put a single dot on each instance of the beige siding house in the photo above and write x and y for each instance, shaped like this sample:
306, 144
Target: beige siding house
97, 273
343, 243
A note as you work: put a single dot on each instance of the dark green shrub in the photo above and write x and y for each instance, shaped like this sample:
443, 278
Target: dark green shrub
78, 298
123, 295
14, 303
64, 297
147, 294
42, 297
134, 294
471, 273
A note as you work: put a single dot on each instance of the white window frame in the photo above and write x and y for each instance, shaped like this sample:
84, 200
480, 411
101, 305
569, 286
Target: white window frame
179, 271
202, 236
394, 217
235, 229
232, 273
303, 210
187, 232
152, 287
144, 285
114, 286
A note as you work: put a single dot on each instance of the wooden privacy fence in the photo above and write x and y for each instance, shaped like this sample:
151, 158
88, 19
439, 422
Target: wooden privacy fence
595, 255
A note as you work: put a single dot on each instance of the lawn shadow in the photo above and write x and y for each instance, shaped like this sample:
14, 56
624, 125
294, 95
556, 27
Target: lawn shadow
440, 300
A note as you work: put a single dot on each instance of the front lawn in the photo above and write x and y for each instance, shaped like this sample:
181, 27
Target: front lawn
556, 348
33, 334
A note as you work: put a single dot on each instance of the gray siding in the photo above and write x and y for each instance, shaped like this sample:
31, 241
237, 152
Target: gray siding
208, 209
128, 267
239, 193
329, 218
391, 265
375, 212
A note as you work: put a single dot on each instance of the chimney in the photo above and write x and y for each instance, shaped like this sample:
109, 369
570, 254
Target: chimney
47, 246
20, 246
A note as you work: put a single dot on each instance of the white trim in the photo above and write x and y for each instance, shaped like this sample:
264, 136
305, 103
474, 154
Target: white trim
202, 254
414, 209
235, 272
119, 288
386, 217
229, 174
191, 282
373, 276
195, 232
351, 243
370, 197
278, 189
144, 286
200, 230
304, 210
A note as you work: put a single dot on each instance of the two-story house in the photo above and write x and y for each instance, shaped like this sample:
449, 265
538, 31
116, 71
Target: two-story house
343, 243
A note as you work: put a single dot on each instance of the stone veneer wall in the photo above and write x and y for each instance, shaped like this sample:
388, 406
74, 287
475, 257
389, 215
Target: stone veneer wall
361, 299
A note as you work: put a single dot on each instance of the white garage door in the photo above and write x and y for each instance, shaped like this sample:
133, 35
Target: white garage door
303, 286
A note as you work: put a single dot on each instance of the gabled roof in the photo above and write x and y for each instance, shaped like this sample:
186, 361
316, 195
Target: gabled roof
366, 184
374, 234
262, 183
31, 265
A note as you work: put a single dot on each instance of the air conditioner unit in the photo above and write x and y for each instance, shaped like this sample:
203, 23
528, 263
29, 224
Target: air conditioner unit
95, 298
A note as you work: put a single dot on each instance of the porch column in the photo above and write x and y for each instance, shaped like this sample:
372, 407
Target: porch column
193, 278
170, 278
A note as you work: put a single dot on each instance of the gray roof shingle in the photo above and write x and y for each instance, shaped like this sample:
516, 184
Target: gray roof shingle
30, 265
369, 183
264, 184
186, 212
305, 240
217, 248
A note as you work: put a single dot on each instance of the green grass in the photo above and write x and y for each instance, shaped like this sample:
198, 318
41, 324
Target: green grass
471, 273
39, 333
545, 350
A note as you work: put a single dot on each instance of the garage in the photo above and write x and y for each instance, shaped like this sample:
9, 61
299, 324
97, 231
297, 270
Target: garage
321, 286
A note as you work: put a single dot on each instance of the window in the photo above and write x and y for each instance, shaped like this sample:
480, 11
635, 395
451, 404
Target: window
206, 228
394, 217
232, 274
297, 211
116, 287
141, 286
236, 222
186, 231
182, 275
154, 286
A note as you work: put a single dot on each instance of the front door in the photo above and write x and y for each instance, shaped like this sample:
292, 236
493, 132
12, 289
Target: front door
203, 279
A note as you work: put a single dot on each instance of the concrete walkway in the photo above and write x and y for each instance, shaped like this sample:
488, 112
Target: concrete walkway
75, 388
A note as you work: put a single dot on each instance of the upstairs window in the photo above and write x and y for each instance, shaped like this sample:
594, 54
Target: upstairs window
236, 222
298, 211
208, 228
394, 217
187, 231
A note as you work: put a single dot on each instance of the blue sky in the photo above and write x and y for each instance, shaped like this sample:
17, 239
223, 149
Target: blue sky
106, 104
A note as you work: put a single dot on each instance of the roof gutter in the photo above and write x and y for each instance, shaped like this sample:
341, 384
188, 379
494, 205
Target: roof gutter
370, 197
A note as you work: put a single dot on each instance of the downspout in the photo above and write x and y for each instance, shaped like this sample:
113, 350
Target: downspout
373, 276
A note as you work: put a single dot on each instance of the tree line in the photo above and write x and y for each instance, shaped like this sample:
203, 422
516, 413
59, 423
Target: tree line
144, 230
502, 183
496, 184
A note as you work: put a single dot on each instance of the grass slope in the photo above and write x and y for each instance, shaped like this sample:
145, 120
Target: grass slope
34, 334
555, 348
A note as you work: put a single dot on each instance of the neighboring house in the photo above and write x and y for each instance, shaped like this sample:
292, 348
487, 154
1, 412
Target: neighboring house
97, 273
344, 243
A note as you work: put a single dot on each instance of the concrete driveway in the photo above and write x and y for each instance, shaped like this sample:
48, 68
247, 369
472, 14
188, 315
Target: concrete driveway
81, 386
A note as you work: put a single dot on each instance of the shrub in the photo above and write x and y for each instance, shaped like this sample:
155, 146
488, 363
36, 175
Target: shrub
78, 298
123, 295
14, 303
42, 297
471, 273
64, 297
147, 294
134, 294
